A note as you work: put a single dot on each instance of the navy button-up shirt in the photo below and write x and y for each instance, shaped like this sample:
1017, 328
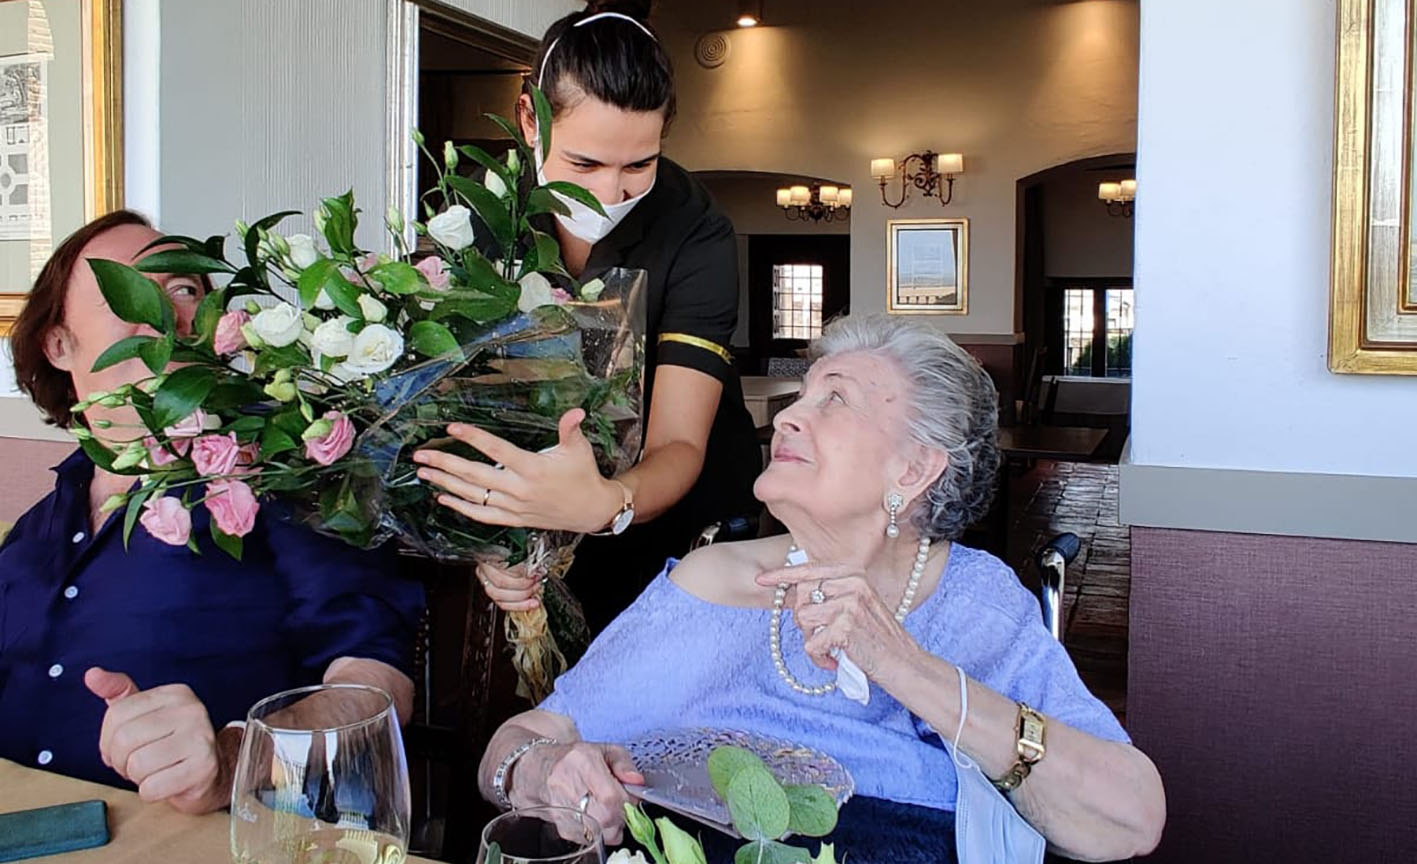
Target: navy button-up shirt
234, 632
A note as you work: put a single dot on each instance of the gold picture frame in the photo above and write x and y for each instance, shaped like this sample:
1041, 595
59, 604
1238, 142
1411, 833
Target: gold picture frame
1373, 296
98, 93
927, 266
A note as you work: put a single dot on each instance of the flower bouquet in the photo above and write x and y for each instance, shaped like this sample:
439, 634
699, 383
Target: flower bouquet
312, 375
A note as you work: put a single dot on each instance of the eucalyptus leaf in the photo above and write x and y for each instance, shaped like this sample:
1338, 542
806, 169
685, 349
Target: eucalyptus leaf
132, 296
183, 261
726, 761
771, 852
812, 812
432, 339
759, 805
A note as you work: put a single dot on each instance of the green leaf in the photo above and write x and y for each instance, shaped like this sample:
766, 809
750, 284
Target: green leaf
291, 422
157, 354
812, 812
275, 441
546, 252
396, 277
771, 852
208, 315
543, 120
758, 804
183, 261
253, 239
247, 423
477, 273
314, 278
826, 854
132, 296
726, 761
181, 394
135, 509
491, 209
432, 339
225, 542
190, 243
481, 311
494, 853
340, 223
97, 453
513, 132
492, 164
577, 193
123, 349
286, 357
540, 200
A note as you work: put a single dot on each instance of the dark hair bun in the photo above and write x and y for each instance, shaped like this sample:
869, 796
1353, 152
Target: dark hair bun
636, 9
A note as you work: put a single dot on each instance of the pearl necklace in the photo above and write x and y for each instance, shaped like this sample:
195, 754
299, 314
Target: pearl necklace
780, 596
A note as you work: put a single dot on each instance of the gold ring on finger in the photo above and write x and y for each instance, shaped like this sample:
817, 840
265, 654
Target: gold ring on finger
486, 494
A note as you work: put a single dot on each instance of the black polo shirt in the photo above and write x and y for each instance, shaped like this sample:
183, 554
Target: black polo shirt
686, 245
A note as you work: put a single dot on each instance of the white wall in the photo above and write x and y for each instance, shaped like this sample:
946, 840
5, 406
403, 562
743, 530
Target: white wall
750, 202
1232, 300
1015, 85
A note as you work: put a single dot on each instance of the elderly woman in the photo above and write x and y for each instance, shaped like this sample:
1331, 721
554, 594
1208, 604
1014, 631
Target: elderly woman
886, 458
130, 666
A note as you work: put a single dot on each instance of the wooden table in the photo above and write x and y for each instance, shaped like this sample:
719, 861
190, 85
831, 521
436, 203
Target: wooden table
765, 396
1059, 443
139, 833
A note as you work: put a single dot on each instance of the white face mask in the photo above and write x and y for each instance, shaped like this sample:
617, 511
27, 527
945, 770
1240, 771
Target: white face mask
584, 222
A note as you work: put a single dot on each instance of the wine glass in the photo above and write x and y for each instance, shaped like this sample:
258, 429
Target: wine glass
542, 835
321, 778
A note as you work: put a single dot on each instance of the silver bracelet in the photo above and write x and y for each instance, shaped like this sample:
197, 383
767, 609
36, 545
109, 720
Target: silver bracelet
499, 779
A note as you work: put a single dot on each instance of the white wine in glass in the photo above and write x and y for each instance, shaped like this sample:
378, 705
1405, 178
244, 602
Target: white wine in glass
321, 779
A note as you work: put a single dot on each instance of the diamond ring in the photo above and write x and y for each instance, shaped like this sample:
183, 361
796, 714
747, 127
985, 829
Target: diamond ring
817, 596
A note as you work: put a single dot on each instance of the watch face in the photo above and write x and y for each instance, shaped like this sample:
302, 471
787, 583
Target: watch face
622, 520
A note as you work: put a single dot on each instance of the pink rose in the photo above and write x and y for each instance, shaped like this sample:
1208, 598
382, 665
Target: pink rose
233, 506
328, 448
215, 455
246, 456
192, 425
167, 520
229, 339
160, 455
368, 262
434, 271
560, 296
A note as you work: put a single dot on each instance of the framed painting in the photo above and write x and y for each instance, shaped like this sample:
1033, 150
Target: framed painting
1373, 297
61, 130
927, 266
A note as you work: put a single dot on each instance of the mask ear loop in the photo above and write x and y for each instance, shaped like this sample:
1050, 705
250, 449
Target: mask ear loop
960, 760
541, 74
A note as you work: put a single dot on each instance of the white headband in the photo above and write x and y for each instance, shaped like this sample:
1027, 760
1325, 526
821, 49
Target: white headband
541, 76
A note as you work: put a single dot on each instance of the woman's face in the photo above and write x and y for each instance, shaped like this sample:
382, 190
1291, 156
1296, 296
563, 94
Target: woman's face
90, 327
839, 448
612, 152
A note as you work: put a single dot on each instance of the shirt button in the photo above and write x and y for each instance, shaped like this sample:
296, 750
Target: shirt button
56, 670
71, 592
45, 757
79, 537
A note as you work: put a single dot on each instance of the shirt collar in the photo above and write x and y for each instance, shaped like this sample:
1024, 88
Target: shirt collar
77, 467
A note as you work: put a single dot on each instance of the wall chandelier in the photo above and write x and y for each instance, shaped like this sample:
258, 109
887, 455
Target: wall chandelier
1120, 198
817, 203
933, 174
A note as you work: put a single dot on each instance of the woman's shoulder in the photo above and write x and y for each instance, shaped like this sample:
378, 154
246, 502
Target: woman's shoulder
981, 581
693, 207
724, 573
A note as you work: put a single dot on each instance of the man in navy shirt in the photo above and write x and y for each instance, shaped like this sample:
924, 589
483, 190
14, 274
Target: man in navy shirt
131, 665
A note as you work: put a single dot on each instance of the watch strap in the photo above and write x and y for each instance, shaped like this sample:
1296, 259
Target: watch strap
1029, 747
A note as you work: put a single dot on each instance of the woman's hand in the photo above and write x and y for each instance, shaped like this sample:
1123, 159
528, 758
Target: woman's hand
851, 617
560, 489
513, 589
562, 775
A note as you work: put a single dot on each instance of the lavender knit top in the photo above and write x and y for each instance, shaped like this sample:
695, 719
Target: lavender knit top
672, 660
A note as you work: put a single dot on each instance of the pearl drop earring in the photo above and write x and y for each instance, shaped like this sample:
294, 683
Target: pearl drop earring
893, 504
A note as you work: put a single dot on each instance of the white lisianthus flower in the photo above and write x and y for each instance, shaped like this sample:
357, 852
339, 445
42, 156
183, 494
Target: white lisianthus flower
625, 856
279, 325
302, 250
373, 310
323, 301
375, 349
332, 338
452, 227
495, 185
536, 292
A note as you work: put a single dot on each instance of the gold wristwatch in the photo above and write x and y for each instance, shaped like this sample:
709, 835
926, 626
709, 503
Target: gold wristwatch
623, 517
1030, 748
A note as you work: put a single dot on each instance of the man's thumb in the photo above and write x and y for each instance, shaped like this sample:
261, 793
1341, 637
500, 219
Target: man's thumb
109, 686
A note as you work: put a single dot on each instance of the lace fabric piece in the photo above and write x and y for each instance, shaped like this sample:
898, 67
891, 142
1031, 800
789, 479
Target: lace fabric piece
674, 763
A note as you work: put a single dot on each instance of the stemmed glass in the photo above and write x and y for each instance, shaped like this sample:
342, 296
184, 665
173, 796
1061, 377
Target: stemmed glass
542, 835
321, 779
